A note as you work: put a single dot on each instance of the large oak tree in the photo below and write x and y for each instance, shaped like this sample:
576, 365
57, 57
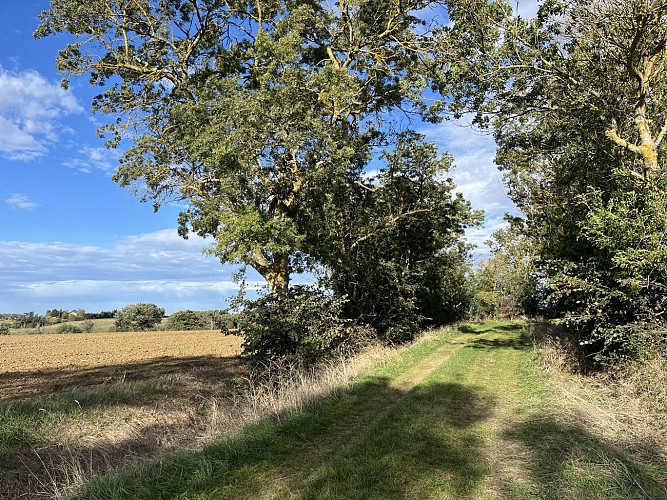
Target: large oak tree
245, 108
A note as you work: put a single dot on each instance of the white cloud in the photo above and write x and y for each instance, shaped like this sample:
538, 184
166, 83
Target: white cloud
30, 110
527, 8
94, 159
158, 267
21, 201
476, 176
480, 235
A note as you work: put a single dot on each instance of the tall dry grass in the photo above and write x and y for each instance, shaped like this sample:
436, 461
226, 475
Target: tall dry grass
273, 393
626, 402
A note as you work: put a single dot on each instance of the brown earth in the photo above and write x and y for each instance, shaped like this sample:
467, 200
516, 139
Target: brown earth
42, 364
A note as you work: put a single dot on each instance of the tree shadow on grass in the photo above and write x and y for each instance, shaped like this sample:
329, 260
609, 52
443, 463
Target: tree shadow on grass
49, 381
490, 326
46, 399
565, 460
427, 447
349, 447
521, 343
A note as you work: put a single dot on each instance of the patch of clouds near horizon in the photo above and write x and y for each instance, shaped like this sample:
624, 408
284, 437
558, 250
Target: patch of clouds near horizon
21, 202
476, 176
30, 110
157, 267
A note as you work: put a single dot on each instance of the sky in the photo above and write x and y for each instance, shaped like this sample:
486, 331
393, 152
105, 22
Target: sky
71, 238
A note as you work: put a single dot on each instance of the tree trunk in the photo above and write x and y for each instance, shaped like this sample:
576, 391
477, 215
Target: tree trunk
277, 276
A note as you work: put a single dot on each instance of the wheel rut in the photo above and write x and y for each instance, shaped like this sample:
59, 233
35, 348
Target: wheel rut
363, 416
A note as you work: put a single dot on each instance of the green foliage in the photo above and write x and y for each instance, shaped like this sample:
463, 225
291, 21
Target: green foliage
616, 298
88, 326
304, 325
4, 329
138, 317
245, 125
507, 283
68, 328
185, 320
391, 244
29, 320
578, 100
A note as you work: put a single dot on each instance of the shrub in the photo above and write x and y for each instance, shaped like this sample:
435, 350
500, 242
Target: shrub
68, 328
4, 330
219, 319
186, 320
138, 317
88, 326
303, 326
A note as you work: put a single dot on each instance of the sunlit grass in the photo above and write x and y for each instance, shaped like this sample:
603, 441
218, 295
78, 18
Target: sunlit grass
464, 413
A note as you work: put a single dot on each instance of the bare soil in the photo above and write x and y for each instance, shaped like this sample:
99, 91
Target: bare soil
43, 364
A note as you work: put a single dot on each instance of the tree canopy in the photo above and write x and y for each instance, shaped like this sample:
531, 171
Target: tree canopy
243, 109
578, 102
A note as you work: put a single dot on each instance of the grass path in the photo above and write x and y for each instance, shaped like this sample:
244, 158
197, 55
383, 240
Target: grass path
465, 414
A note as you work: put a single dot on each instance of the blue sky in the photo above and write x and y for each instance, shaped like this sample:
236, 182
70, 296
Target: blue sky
71, 238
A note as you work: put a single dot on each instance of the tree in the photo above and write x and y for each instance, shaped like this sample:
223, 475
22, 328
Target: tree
578, 101
29, 320
138, 317
68, 328
393, 243
244, 109
507, 283
88, 325
186, 320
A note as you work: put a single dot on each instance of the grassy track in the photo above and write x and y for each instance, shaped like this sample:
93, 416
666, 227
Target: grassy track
465, 414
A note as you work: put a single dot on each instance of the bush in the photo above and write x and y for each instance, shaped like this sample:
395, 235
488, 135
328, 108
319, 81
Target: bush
138, 317
304, 326
88, 326
4, 330
186, 320
68, 328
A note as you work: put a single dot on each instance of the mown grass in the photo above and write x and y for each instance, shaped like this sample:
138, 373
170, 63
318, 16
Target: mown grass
485, 423
466, 413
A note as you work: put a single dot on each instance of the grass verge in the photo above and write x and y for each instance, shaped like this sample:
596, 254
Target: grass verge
467, 413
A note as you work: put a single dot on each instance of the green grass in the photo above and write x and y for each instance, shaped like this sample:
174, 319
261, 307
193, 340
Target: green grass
466, 413
28, 422
100, 326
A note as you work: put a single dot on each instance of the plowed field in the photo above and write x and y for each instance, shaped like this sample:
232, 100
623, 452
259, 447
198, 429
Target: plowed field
32, 364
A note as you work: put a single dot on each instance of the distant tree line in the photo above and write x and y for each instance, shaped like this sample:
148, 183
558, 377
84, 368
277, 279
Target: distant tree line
134, 317
54, 316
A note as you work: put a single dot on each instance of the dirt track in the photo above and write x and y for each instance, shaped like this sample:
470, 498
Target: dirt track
42, 363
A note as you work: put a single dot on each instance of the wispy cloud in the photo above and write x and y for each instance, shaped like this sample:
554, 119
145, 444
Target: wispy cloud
157, 267
475, 174
91, 159
30, 110
21, 201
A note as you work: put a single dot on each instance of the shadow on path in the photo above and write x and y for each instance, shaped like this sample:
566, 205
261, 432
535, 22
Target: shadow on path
565, 460
427, 434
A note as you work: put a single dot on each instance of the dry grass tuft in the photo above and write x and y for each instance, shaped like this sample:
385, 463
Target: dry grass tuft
193, 408
278, 391
628, 403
